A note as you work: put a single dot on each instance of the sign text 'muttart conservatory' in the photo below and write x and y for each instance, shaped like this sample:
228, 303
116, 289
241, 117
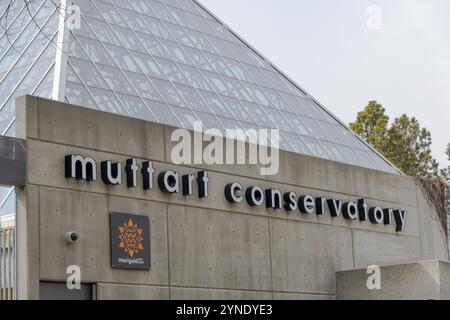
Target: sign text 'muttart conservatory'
168, 181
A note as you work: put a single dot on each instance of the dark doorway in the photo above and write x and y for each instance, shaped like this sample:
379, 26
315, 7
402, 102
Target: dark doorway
59, 291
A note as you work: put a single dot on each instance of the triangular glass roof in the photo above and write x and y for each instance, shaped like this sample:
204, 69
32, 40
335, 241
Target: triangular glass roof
168, 61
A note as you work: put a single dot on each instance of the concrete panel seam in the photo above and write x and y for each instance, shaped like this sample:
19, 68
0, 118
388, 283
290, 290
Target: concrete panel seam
269, 227
222, 210
37, 120
255, 290
168, 251
265, 179
353, 249
419, 213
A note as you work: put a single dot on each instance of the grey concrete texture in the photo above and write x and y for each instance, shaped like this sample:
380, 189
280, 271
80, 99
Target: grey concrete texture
424, 280
88, 214
76, 126
179, 293
218, 250
41, 167
108, 291
305, 257
202, 248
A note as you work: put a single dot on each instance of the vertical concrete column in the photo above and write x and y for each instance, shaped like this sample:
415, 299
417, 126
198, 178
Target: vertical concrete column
27, 218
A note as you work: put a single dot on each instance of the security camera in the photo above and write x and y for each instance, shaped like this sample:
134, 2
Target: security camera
71, 236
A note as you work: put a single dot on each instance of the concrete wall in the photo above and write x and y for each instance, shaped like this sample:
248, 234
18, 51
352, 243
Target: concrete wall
425, 280
201, 248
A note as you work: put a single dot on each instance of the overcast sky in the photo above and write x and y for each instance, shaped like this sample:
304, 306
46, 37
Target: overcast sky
327, 47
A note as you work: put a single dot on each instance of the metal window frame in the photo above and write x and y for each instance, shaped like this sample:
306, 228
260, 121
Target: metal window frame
298, 86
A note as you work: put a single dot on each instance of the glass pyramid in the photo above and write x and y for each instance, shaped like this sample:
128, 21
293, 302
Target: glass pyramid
168, 61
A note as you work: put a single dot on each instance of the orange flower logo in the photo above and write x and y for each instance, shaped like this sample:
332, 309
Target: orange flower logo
131, 238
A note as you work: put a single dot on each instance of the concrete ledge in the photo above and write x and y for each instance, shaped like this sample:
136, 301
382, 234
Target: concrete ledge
422, 280
106, 291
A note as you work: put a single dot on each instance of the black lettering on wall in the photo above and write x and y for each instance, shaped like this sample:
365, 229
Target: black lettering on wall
203, 180
254, 196
376, 215
168, 182
400, 217
362, 209
111, 172
350, 210
387, 216
188, 184
131, 169
290, 201
306, 204
231, 190
80, 168
273, 199
335, 207
147, 175
320, 205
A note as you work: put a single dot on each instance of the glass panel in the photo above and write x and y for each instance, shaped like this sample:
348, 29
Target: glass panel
168, 92
218, 64
163, 113
176, 52
87, 71
229, 123
315, 147
257, 114
77, 94
6, 114
171, 71
107, 101
198, 58
296, 142
109, 13
147, 65
365, 158
199, 41
214, 103
295, 104
136, 107
45, 88
178, 33
350, 155
115, 79
334, 151
143, 85
100, 30
161, 11
7, 205
193, 99
202, 24
153, 45
11, 131
313, 127
180, 17
195, 78
155, 27
171, 61
237, 109
209, 121
276, 101
185, 116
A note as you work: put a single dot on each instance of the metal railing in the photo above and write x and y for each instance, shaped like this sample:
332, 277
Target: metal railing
7, 264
